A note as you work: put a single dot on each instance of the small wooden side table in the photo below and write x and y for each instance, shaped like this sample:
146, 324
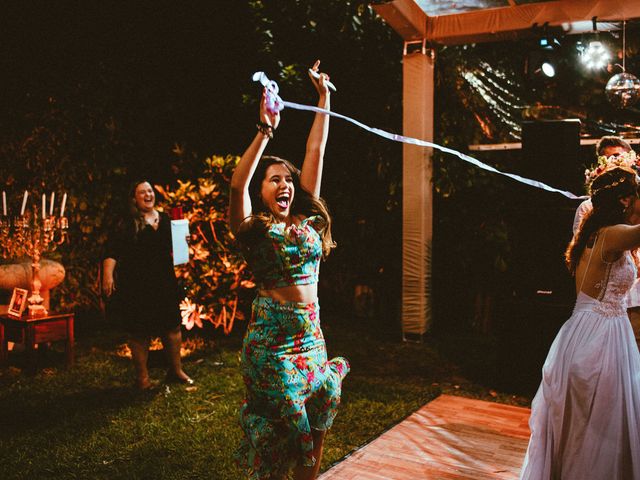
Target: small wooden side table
34, 330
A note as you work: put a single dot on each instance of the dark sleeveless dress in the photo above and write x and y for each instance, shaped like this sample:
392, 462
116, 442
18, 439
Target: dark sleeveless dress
146, 299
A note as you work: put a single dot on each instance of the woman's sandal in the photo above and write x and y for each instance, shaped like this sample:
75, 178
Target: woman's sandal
148, 387
173, 378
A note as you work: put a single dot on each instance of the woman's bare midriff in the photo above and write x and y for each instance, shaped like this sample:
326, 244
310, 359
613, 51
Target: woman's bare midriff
292, 293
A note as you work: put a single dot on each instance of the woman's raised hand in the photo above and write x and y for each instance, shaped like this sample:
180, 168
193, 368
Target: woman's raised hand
267, 116
319, 80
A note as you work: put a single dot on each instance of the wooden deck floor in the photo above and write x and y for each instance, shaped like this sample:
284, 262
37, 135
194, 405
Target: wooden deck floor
449, 438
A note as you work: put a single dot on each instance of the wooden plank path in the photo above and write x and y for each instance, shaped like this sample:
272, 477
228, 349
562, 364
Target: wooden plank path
448, 438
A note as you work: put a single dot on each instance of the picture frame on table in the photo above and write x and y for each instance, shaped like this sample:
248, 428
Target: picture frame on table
18, 302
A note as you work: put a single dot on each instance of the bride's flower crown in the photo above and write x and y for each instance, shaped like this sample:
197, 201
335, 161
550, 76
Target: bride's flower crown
627, 159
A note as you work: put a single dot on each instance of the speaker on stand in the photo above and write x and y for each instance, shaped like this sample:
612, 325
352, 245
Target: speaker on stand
540, 228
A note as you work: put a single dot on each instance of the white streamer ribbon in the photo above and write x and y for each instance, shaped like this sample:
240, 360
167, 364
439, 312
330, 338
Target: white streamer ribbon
261, 77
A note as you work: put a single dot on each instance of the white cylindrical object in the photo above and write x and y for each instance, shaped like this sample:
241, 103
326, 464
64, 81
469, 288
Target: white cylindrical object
64, 202
4, 203
24, 202
53, 196
44, 206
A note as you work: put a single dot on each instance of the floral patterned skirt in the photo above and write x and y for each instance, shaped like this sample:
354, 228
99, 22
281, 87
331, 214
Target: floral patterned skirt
291, 387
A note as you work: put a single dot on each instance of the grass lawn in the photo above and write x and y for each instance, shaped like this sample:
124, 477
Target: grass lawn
88, 422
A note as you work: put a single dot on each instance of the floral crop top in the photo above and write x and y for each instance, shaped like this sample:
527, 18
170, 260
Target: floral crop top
287, 255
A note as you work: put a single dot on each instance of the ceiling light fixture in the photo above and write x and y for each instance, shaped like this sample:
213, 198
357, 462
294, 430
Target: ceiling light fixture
596, 55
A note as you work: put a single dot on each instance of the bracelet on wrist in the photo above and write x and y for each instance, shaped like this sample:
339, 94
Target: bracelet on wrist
265, 129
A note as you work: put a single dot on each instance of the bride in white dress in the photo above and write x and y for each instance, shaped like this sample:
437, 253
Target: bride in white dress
585, 417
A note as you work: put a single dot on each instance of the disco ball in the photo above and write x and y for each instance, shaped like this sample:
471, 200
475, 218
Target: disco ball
623, 90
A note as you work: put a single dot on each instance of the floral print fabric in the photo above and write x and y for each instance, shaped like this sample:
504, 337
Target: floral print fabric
290, 255
291, 387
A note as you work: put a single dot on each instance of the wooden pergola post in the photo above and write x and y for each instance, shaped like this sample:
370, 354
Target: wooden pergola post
408, 19
417, 195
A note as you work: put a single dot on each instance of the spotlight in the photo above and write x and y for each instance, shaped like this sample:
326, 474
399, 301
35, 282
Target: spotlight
543, 60
549, 43
548, 69
595, 56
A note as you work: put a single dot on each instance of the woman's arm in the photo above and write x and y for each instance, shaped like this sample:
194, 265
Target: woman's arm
239, 200
622, 237
581, 211
114, 247
108, 266
311, 174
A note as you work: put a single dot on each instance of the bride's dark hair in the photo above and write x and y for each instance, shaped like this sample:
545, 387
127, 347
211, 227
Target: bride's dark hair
606, 191
254, 227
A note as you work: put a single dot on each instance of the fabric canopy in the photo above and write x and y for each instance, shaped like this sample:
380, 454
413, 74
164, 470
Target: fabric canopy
495, 24
573, 16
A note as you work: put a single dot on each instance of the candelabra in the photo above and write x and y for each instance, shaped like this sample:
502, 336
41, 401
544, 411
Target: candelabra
32, 235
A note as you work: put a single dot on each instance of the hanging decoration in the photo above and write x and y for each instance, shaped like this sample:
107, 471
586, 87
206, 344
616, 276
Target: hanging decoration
623, 89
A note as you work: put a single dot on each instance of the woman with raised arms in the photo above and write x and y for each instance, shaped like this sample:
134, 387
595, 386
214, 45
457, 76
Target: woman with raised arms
284, 230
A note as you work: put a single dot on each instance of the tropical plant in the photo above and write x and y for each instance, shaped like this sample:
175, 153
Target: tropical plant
215, 278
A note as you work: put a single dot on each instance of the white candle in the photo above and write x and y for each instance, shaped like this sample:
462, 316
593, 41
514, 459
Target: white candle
53, 196
24, 202
4, 203
44, 206
64, 202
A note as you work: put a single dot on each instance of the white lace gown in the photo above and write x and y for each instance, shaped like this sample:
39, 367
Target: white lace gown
585, 417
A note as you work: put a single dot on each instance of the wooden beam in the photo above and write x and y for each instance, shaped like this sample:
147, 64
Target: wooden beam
506, 23
405, 17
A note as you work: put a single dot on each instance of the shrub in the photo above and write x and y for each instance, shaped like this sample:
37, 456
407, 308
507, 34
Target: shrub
215, 279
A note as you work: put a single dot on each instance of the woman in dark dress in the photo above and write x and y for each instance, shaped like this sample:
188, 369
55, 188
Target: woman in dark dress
138, 273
